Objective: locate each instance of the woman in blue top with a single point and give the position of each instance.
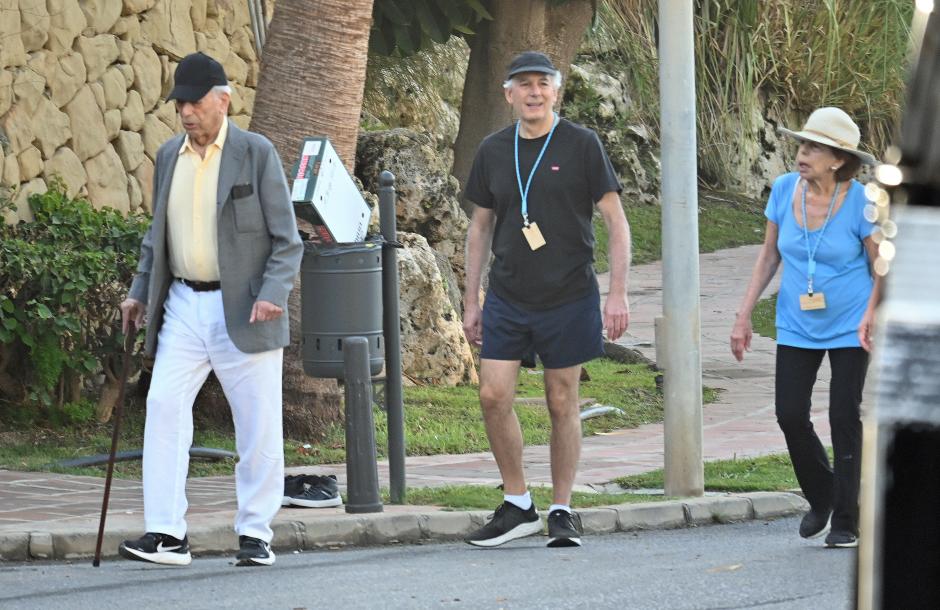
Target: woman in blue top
(828, 293)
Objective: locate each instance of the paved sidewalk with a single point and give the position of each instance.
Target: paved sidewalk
(48, 515)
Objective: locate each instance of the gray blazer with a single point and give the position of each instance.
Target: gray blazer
(259, 246)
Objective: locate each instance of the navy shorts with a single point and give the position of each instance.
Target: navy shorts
(563, 336)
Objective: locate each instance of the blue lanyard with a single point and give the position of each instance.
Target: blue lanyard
(525, 192)
(811, 253)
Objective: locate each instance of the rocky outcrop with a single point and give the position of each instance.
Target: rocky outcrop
(427, 202)
(633, 152)
(434, 349)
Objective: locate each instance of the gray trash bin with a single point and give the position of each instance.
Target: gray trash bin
(341, 296)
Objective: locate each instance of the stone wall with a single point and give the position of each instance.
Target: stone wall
(82, 85)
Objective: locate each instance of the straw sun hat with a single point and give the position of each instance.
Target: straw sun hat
(832, 127)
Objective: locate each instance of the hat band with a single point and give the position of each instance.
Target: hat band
(841, 143)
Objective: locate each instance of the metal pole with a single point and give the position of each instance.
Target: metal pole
(390, 322)
(684, 474)
(362, 474)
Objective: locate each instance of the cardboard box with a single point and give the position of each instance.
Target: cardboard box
(325, 194)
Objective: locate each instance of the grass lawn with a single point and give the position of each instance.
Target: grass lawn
(768, 473)
(724, 221)
(437, 420)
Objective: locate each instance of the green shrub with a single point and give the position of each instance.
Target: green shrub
(62, 277)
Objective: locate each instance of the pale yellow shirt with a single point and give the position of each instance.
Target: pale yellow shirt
(191, 211)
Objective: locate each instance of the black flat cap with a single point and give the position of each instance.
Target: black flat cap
(530, 61)
(195, 75)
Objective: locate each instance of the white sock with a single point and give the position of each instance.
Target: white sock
(524, 501)
(563, 507)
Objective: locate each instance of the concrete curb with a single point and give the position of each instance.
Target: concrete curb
(332, 531)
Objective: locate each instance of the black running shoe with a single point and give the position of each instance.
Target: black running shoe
(322, 492)
(841, 540)
(507, 523)
(157, 548)
(815, 523)
(253, 552)
(293, 485)
(564, 528)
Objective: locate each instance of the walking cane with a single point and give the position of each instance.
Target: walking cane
(129, 339)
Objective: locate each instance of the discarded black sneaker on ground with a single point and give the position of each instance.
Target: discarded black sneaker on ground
(320, 492)
(508, 522)
(815, 523)
(157, 548)
(564, 528)
(253, 552)
(841, 540)
(293, 485)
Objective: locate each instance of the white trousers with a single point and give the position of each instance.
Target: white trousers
(192, 341)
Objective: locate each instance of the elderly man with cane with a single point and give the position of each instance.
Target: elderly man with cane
(216, 267)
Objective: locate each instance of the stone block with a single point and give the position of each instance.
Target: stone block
(66, 22)
(35, 23)
(101, 14)
(650, 516)
(30, 160)
(89, 137)
(147, 74)
(769, 505)
(107, 181)
(446, 525)
(342, 530)
(51, 126)
(720, 509)
(385, 528)
(41, 545)
(68, 78)
(132, 114)
(66, 165)
(599, 520)
(14, 546)
(98, 52)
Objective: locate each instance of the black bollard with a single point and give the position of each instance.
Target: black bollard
(390, 299)
(362, 476)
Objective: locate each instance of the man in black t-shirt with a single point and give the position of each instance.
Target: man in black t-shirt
(535, 185)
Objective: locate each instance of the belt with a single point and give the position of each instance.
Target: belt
(201, 286)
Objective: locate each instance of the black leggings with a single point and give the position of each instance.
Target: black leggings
(825, 487)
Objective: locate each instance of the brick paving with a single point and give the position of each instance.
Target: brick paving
(741, 423)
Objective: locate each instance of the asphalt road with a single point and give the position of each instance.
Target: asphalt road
(754, 564)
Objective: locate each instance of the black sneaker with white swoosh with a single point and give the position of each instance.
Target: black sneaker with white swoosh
(159, 548)
(253, 552)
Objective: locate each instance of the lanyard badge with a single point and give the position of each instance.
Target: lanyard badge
(814, 300)
(530, 230)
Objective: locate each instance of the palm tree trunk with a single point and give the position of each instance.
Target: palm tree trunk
(517, 25)
(311, 83)
(312, 75)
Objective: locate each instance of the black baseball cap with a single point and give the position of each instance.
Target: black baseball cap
(195, 75)
(531, 61)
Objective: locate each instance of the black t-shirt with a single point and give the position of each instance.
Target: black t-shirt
(572, 176)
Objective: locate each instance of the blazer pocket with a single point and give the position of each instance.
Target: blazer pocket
(248, 215)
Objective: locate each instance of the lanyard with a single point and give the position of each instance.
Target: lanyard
(811, 253)
(525, 192)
